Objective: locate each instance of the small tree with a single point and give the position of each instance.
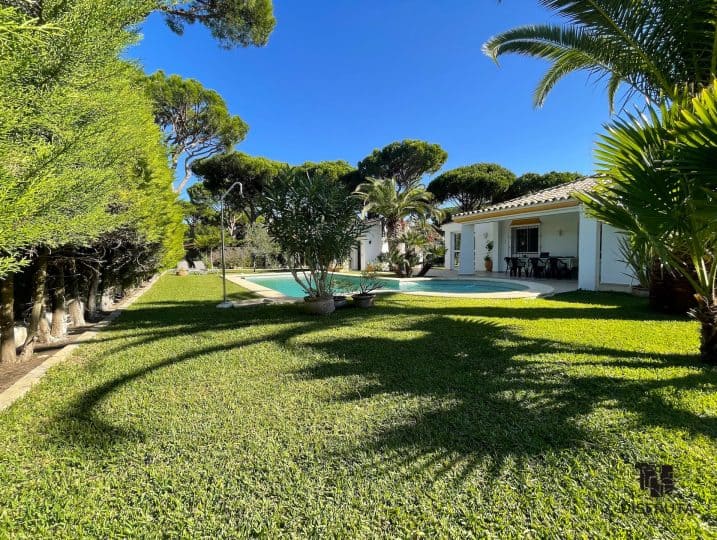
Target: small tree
(260, 243)
(315, 221)
(382, 197)
(660, 186)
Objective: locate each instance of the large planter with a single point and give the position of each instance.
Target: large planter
(340, 301)
(364, 300)
(672, 295)
(488, 265)
(319, 306)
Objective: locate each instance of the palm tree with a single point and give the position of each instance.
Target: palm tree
(383, 198)
(657, 47)
(662, 189)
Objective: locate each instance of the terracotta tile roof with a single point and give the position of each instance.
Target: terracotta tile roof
(563, 192)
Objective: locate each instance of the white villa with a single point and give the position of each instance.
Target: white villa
(370, 246)
(547, 223)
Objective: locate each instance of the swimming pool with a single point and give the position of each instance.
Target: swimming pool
(347, 284)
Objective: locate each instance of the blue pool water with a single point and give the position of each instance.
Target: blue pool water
(286, 285)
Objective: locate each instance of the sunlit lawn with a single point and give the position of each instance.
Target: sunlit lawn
(430, 416)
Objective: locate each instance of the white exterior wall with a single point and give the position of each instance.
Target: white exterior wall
(371, 245)
(504, 245)
(566, 233)
(467, 249)
(589, 253)
(484, 233)
(613, 271)
(559, 234)
(448, 230)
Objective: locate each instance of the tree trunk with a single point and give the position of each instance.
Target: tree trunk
(706, 314)
(93, 288)
(58, 304)
(7, 320)
(425, 267)
(74, 306)
(38, 306)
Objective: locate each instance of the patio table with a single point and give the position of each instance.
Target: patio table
(570, 262)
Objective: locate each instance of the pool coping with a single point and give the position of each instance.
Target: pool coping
(534, 290)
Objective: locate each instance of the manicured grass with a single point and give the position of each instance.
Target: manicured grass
(423, 416)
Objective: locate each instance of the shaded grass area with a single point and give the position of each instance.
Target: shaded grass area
(432, 416)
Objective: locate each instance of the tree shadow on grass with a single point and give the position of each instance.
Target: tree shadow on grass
(487, 392)
(572, 305)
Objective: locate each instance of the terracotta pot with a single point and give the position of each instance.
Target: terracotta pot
(364, 300)
(319, 306)
(488, 265)
(182, 272)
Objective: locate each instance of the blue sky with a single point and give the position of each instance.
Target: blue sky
(342, 77)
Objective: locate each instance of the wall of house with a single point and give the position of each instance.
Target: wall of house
(613, 270)
(448, 229)
(484, 233)
(567, 234)
(372, 244)
(559, 235)
(503, 245)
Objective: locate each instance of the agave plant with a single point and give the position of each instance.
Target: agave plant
(660, 186)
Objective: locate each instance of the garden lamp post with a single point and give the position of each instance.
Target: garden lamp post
(225, 303)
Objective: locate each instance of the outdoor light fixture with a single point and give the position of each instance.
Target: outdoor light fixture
(225, 303)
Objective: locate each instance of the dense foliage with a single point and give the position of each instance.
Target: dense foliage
(406, 162)
(85, 183)
(231, 22)
(196, 121)
(219, 172)
(315, 221)
(655, 47)
(662, 189)
(472, 186)
(532, 182)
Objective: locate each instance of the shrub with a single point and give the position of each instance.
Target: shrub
(315, 221)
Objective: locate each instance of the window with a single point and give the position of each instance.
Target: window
(456, 249)
(526, 240)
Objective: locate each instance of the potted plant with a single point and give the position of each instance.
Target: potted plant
(315, 221)
(488, 260)
(182, 268)
(342, 287)
(364, 298)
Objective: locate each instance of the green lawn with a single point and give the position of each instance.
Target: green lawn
(423, 416)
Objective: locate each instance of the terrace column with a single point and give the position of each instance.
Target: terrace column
(588, 252)
(468, 250)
